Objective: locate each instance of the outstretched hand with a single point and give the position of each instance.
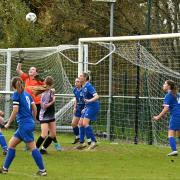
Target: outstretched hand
(6, 125)
(156, 118)
(21, 56)
(3, 125)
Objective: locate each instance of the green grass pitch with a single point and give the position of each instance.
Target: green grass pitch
(107, 161)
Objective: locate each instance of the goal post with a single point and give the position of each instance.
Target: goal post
(128, 38)
(140, 65)
(60, 62)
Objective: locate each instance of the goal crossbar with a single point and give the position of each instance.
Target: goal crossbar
(132, 38)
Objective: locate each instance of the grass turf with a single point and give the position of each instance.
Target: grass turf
(107, 161)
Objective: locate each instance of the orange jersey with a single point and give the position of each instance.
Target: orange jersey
(28, 81)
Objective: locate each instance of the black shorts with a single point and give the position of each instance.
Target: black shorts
(38, 106)
(46, 121)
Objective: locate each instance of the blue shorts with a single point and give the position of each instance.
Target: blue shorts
(90, 113)
(78, 112)
(174, 123)
(25, 133)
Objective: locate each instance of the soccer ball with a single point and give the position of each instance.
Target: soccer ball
(31, 17)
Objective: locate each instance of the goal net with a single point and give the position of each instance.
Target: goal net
(128, 73)
(59, 62)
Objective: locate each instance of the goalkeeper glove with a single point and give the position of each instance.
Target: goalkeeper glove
(21, 56)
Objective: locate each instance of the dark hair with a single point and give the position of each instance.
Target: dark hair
(49, 80)
(38, 78)
(172, 86)
(17, 84)
(86, 75)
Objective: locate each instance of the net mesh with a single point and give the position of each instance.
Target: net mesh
(139, 69)
(59, 62)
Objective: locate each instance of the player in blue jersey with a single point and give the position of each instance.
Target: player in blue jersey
(171, 104)
(2, 138)
(78, 107)
(90, 111)
(24, 110)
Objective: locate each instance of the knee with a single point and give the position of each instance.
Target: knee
(80, 123)
(44, 136)
(85, 123)
(72, 124)
(171, 133)
(11, 146)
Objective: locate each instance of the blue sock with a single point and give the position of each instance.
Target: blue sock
(76, 131)
(3, 141)
(172, 143)
(89, 133)
(38, 158)
(82, 134)
(9, 158)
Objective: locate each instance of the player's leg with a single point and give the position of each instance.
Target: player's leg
(38, 107)
(44, 134)
(174, 125)
(37, 158)
(89, 133)
(81, 135)
(90, 115)
(28, 137)
(52, 127)
(172, 142)
(75, 127)
(52, 137)
(14, 141)
(3, 143)
(178, 135)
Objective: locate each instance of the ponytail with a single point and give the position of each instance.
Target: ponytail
(49, 81)
(86, 75)
(39, 89)
(173, 87)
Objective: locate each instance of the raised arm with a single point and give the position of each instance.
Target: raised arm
(21, 59)
(18, 69)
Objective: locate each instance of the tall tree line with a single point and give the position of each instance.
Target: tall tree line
(64, 21)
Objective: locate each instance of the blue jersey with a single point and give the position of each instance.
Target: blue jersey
(88, 92)
(79, 97)
(24, 101)
(173, 103)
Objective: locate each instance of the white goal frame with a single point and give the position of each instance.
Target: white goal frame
(83, 41)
